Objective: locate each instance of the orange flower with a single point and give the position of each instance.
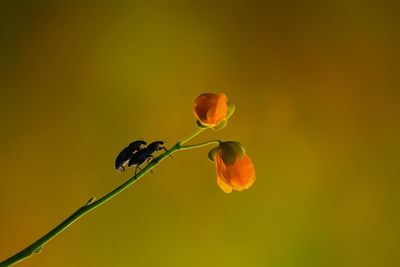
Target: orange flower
(211, 109)
(234, 168)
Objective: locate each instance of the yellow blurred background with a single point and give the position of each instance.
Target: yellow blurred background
(316, 91)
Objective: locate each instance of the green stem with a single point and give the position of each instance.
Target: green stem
(36, 246)
(200, 144)
(190, 136)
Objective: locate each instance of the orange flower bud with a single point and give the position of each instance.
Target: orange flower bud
(211, 109)
(234, 168)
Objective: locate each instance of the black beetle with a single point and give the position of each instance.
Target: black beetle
(145, 154)
(126, 154)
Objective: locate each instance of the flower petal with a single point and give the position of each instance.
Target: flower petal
(240, 175)
(217, 113)
(211, 109)
(224, 186)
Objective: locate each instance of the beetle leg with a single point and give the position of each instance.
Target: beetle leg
(166, 150)
(137, 167)
(155, 160)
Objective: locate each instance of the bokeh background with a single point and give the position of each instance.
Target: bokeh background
(317, 94)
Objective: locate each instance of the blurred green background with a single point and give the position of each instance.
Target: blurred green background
(317, 94)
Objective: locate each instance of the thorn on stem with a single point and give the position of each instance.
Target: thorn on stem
(38, 250)
(90, 201)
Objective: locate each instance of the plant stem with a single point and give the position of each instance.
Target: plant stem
(91, 204)
(190, 136)
(200, 144)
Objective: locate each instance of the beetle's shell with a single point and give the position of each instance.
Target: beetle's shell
(138, 158)
(122, 158)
